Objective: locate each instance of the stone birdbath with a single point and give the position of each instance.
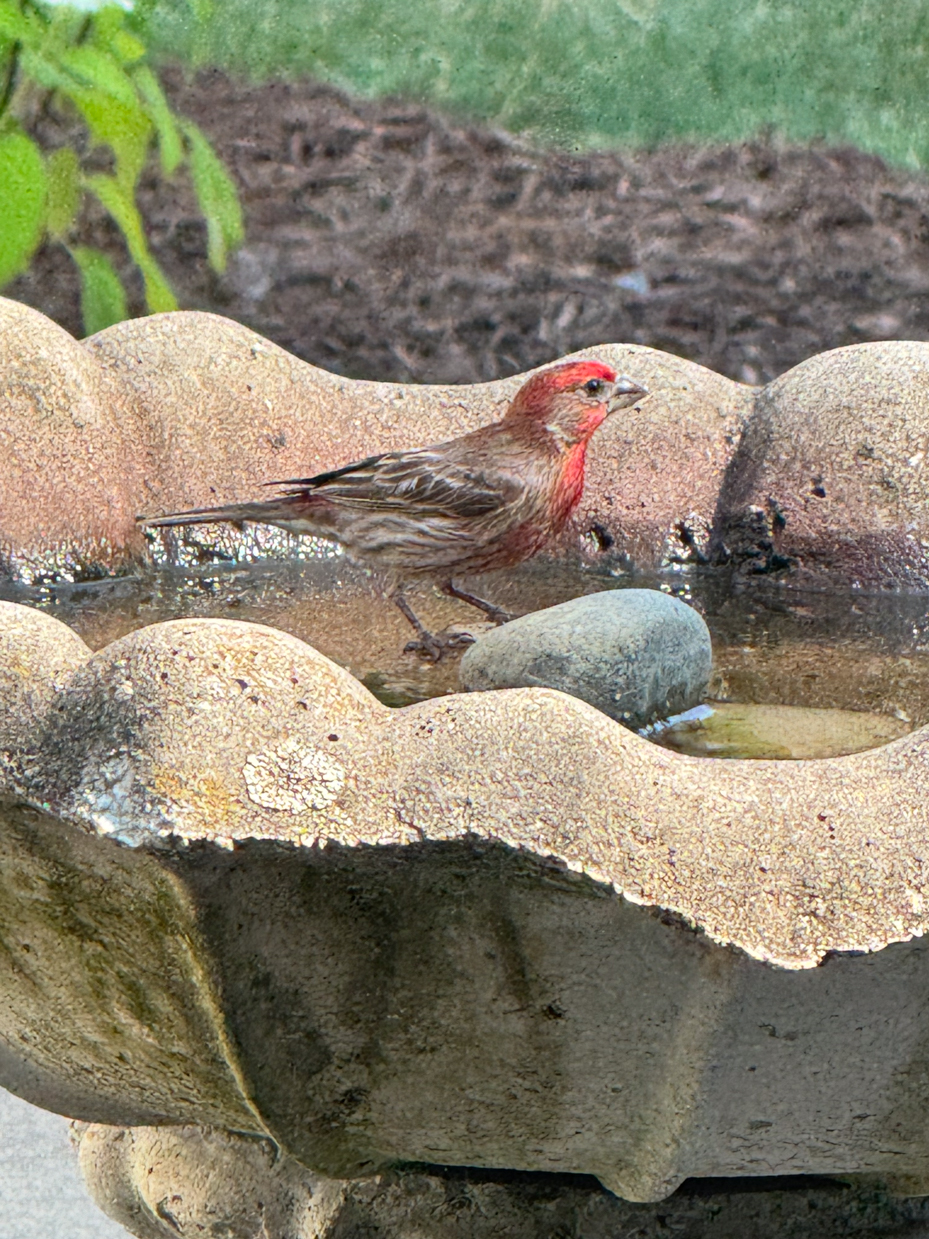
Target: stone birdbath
(272, 939)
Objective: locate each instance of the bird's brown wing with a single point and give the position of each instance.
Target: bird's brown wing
(439, 492)
(426, 484)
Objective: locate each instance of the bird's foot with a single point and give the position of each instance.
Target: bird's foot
(433, 646)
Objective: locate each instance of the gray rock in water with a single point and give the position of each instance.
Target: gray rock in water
(635, 654)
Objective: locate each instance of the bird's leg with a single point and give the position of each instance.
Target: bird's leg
(429, 644)
(497, 614)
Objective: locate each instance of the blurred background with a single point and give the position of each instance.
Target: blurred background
(458, 190)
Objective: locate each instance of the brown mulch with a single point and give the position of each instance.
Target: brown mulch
(384, 241)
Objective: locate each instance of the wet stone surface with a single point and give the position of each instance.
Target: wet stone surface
(635, 654)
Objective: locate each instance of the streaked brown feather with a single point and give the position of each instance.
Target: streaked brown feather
(489, 499)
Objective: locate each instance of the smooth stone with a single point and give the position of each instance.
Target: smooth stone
(730, 729)
(635, 654)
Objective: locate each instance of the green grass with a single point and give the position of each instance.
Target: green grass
(595, 72)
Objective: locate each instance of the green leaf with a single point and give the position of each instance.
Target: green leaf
(202, 9)
(23, 186)
(64, 191)
(127, 47)
(44, 72)
(14, 24)
(94, 67)
(217, 196)
(110, 33)
(121, 206)
(65, 25)
(108, 20)
(140, 14)
(103, 299)
(169, 139)
(126, 129)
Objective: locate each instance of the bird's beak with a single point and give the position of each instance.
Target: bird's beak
(625, 393)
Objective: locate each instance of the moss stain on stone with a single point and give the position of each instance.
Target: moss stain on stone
(117, 978)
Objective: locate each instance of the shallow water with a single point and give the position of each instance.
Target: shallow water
(733, 729)
(773, 646)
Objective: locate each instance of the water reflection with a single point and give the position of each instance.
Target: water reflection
(772, 646)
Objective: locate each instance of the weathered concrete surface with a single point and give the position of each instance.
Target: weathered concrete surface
(166, 1182)
(189, 409)
(462, 1003)
(73, 454)
(831, 475)
(426, 979)
(634, 654)
(162, 1182)
(38, 654)
(107, 1006)
(787, 860)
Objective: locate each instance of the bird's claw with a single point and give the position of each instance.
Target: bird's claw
(434, 647)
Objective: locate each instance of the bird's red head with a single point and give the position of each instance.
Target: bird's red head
(572, 399)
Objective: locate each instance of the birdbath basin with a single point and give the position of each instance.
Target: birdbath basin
(499, 930)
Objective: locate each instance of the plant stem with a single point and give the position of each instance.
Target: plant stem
(9, 84)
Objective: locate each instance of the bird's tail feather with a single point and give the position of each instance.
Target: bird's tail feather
(269, 513)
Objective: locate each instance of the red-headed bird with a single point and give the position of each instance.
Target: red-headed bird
(489, 499)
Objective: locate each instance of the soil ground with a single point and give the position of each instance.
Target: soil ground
(384, 241)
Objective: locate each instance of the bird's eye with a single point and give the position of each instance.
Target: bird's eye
(593, 387)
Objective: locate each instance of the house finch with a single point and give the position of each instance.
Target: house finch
(489, 499)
